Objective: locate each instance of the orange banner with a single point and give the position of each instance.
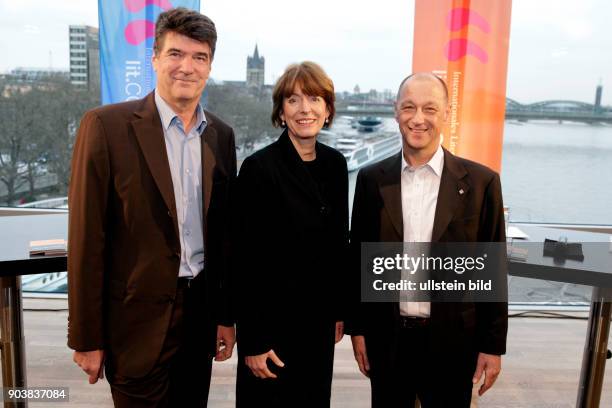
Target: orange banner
(465, 42)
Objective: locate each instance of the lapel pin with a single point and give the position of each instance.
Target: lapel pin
(461, 191)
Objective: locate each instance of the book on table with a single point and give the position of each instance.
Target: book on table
(48, 247)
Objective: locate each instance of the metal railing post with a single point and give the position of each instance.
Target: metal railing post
(11, 336)
(595, 349)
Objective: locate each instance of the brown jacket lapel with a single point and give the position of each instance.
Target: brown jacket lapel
(150, 136)
(453, 190)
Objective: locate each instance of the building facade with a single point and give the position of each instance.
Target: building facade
(84, 56)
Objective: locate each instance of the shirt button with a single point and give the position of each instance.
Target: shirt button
(188, 171)
(187, 232)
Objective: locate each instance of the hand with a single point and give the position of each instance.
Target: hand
(339, 331)
(92, 362)
(259, 364)
(226, 338)
(359, 350)
(490, 364)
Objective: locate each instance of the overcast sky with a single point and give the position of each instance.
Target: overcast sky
(559, 49)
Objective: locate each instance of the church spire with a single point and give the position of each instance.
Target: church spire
(256, 66)
(256, 53)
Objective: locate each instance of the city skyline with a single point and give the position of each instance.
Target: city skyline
(549, 44)
(375, 95)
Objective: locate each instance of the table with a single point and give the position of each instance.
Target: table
(16, 232)
(595, 271)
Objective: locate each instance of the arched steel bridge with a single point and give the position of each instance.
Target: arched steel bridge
(561, 110)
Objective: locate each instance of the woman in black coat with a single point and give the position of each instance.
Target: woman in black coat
(293, 235)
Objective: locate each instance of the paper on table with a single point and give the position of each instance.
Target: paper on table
(49, 247)
(514, 232)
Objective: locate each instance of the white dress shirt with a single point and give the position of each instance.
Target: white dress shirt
(419, 186)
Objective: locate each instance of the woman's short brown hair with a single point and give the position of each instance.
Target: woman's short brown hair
(313, 81)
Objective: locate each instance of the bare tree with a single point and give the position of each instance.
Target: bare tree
(67, 106)
(13, 141)
(39, 125)
(247, 112)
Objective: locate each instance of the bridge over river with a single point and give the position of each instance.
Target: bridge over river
(561, 110)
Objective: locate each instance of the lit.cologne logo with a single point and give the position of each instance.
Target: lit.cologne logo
(458, 48)
(138, 31)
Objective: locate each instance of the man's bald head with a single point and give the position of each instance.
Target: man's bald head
(423, 76)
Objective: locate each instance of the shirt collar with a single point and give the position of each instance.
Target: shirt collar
(168, 116)
(436, 163)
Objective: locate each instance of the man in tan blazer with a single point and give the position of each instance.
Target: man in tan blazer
(149, 229)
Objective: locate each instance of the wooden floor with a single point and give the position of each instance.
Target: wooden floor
(541, 369)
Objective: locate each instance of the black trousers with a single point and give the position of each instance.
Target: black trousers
(403, 370)
(307, 349)
(180, 377)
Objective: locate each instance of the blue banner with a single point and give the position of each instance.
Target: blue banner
(127, 31)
